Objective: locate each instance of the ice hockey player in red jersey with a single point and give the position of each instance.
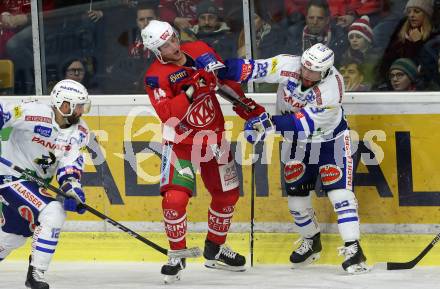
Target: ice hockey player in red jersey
(181, 85)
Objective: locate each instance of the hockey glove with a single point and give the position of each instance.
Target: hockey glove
(73, 189)
(256, 129)
(208, 62)
(199, 85)
(255, 109)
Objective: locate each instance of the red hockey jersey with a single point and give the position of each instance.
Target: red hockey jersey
(185, 122)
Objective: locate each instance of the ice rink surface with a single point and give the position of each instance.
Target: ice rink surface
(71, 275)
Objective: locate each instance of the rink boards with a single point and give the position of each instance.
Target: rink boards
(396, 183)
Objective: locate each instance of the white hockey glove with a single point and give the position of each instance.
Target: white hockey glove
(72, 188)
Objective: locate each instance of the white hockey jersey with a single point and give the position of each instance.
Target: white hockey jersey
(318, 108)
(37, 143)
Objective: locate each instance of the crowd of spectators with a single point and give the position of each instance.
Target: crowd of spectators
(380, 45)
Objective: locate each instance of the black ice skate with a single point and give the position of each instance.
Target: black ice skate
(308, 252)
(35, 278)
(171, 270)
(222, 257)
(354, 258)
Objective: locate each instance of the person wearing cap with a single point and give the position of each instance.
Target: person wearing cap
(413, 32)
(403, 75)
(361, 49)
(212, 30)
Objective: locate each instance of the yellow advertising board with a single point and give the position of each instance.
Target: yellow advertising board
(396, 181)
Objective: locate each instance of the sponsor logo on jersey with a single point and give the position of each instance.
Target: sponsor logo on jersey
(317, 92)
(202, 113)
(50, 145)
(18, 112)
(246, 70)
(291, 86)
(330, 174)
(43, 131)
(27, 214)
(178, 76)
(38, 118)
(170, 214)
(287, 73)
(28, 195)
(152, 81)
(45, 192)
(293, 171)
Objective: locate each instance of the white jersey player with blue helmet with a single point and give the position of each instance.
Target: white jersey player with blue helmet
(310, 95)
(48, 141)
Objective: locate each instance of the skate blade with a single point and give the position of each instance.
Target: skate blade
(194, 252)
(313, 258)
(170, 279)
(358, 269)
(214, 264)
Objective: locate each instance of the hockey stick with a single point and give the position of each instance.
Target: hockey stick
(224, 93)
(185, 253)
(412, 263)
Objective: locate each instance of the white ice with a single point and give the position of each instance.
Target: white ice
(94, 275)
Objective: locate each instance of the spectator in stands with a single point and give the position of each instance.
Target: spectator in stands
(16, 41)
(212, 30)
(410, 36)
(361, 38)
(354, 79)
(182, 14)
(127, 62)
(318, 29)
(270, 39)
(403, 75)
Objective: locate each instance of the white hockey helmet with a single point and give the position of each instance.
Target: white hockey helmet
(156, 34)
(318, 58)
(70, 91)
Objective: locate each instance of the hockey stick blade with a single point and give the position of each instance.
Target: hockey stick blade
(412, 263)
(187, 253)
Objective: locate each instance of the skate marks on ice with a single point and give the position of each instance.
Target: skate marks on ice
(74, 275)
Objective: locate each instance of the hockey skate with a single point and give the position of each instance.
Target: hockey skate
(35, 278)
(308, 252)
(222, 257)
(172, 270)
(354, 258)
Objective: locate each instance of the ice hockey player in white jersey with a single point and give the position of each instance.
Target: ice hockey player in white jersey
(46, 140)
(310, 97)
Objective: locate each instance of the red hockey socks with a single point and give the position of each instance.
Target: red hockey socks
(174, 216)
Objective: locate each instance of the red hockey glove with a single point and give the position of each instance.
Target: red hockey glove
(198, 85)
(256, 109)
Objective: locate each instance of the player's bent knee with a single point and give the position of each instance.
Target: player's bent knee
(53, 215)
(175, 198)
(229, 198)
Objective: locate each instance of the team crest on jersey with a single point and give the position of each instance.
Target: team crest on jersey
(202, 114)
(27, 214)
(178, 76)
(293, 171)
(330, 174)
